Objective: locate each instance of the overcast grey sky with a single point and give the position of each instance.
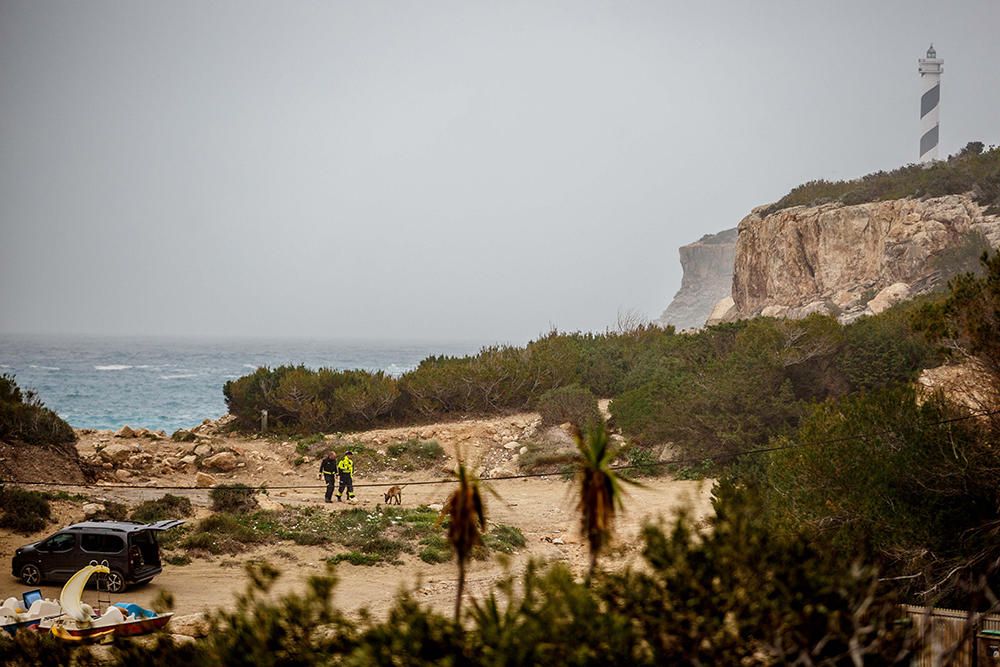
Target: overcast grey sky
(433, 170)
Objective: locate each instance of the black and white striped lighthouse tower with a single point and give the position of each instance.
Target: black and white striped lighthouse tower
(930, 69)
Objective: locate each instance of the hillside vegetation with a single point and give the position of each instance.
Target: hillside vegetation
(24, 417)
(974, 170)
(719, 391)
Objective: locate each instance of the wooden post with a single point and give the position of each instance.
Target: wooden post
(263, 421)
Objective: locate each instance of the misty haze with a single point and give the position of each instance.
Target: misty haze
(376, 312)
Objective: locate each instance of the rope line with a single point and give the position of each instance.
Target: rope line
(502, 478)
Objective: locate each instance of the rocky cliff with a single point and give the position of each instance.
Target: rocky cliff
(708, 277)
(851, 260)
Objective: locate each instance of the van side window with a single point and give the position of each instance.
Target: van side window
(60, 543)
(101, 543)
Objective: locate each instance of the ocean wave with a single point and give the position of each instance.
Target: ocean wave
(395, 370)
(253, 366)
(44, 368)
(113, 367)
(178, 376)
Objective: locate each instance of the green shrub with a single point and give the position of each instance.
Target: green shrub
(24, 417)
(967, 171)
(355, 558)
(179, 560)
(183, 435)
(919, 489)
(167, 507)
(435, 549)
(642, 461)
(230, 533)
(574, 404)
(233, 498)
(23, 511)
(112, 511)
(503, 538)
(414, 454)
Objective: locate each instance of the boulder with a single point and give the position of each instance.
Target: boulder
(123, 475)
(117, 452)
(204, 480)
(265, 503)
(190, 625)
(820, 307)
(189, 460)
(91, 509)
(223, 462)
(722, 311)
(888, 297)
(125, 432)
(512, 445)
(204, 449)
(774, 311)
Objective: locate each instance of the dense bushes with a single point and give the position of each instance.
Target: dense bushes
(574, 404)
(233, 498)
(23, 511)
(972, 170)
(718, 391)
(24, 417)
(732, 387)
(167, 507)
(497, 379)
(910, 476)
(919, 488)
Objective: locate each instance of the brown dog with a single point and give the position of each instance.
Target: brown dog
(394, 493)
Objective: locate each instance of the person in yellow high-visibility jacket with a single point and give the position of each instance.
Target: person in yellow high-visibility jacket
(345, 468)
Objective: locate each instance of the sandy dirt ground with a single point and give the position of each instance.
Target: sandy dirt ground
(543, 508)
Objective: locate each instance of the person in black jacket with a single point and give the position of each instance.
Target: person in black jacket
(328, 471)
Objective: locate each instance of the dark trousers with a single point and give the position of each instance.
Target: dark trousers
(331, 481)
(346, 482)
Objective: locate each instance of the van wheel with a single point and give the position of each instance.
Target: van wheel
(31, 575)
(116, 581)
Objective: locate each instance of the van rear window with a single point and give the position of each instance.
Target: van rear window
(101, 544)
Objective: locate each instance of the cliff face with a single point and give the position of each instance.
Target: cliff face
(708, 277)
(850, 260)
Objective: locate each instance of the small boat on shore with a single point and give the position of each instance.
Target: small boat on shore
(27, 613)
(79, 623)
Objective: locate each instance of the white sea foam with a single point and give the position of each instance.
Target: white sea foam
(44, 368)
(395, 370)
(253, 366)
(113, 367)
(178, 376)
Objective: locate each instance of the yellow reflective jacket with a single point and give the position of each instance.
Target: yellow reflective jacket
(346, 465)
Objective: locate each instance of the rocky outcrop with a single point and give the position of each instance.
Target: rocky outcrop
(708, 277)
(849, 260)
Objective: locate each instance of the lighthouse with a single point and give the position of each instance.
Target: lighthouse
(930, 69)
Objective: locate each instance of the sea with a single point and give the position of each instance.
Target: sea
(164, 383)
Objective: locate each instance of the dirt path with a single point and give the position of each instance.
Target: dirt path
(541, 507)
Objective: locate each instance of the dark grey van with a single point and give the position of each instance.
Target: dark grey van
(130, 550)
